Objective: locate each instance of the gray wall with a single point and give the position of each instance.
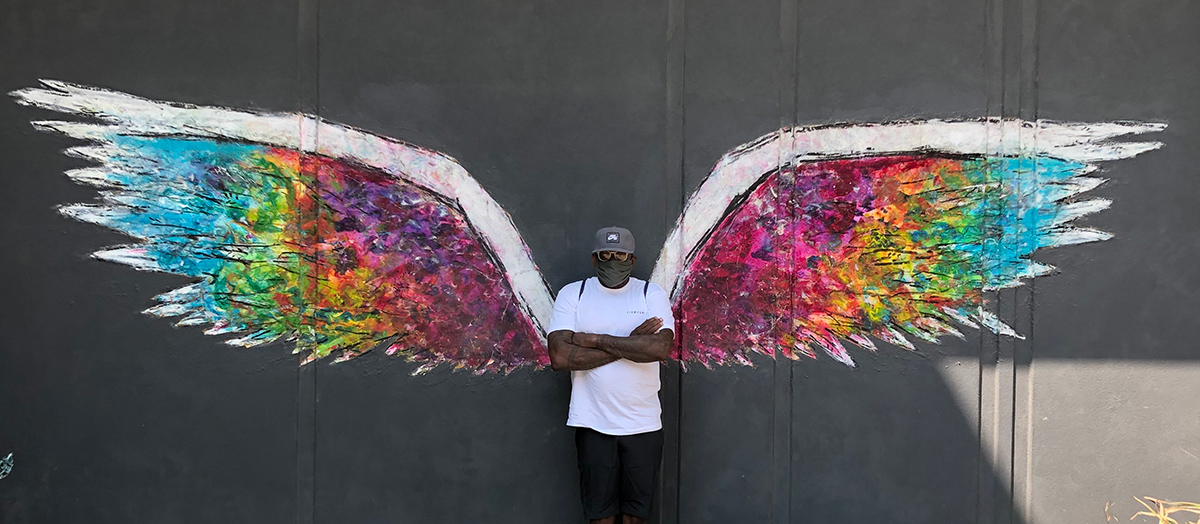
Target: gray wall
(574, 115)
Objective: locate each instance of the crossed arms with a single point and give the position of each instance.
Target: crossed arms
(571, 351)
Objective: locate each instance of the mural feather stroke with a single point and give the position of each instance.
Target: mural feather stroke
(342, 241)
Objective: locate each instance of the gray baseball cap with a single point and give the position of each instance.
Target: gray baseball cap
(613, 238)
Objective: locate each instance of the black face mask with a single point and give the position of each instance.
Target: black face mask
(614, 273)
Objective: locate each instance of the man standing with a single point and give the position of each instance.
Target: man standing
(610, 331)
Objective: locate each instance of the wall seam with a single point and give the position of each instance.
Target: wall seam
(782, 376)
(1022, 445)
(675, 149)
(993, 65)
(308, 80)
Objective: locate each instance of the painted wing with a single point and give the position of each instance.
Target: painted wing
(302, 230)
(810, 237)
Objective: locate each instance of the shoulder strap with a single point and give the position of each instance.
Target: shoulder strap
(645, 299)
(645, 288)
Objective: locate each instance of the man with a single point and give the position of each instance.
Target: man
(611, 331)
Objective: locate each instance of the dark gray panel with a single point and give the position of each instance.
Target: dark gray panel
(887, 441)
(870, 61)
(1103, 422)
(1131, 296)
(114, 416)
(558, 110)
(731, 93)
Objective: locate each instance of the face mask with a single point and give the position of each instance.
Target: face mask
(613, 273)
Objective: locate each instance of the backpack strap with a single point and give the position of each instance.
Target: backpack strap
(581, 286)
(645, 300)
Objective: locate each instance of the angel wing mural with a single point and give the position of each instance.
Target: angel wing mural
(340, 241)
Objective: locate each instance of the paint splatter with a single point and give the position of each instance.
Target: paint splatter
(6, 465)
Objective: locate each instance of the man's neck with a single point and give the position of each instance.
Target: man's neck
(618, 286)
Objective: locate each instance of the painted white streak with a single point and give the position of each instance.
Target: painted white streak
(1069, 212)
(832, 347)
(891, 334)
(92, 214)
(1037, 269)
(257, 338)
(992, 322)
(927, 337)
(98, 154)
(862, 341)
(186, 293)
(93, 176)
(194, 319)
(959, 317)
(78, 130)
(947, 329)
(1101, 152)
(1071, 236)
(436, 172)
(168, 310)
(134, 256)
(222, 328)
(938, 327)
(1032, 269)
(1012, 137)
(738, 171)
(1072, 187)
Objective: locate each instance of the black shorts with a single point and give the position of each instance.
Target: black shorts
(617, 473)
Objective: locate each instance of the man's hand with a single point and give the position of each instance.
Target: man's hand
(592, 340)
(649, 327)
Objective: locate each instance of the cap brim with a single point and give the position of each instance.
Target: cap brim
(617, 249)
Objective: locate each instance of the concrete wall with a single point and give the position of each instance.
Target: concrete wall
(574, 115)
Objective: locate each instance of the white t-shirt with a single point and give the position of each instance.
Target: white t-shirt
(621, 397)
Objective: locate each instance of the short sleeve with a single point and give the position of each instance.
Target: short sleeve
(659, 305)
(564, 308)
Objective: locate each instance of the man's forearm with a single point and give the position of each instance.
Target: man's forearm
(579, 358)
(566, 356)
(638, 348)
